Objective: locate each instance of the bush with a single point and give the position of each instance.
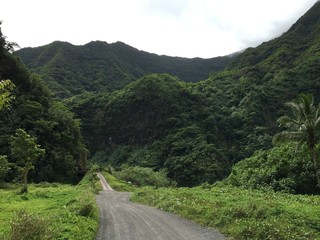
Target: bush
(26, 226)
(280, 168)
(87, 209)
(141, 176)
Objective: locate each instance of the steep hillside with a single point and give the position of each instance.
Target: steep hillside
(249, 95)
(50, 122)
(198, 130)
(99, 66)
(195, 131)
(156, 121)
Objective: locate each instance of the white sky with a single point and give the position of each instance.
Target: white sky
(186, 28)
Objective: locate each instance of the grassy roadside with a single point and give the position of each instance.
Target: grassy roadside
(66, 211)
(239, 213)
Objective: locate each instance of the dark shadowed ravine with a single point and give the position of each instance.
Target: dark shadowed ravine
(121, 219)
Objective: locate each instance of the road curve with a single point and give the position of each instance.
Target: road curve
(105, 185)
(121, 219)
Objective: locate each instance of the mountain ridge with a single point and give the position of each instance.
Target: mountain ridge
(67, 68)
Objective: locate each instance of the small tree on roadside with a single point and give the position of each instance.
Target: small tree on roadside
(302, 127)
(25, 151)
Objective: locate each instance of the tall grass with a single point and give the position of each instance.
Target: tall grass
(60, 211)
(26, 226)
(239, 213)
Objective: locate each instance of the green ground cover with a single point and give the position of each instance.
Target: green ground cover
(65, 211)
(239, 213)
(117, 184)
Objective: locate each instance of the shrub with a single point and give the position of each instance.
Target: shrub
(280, 168)
(83, 205)
(26, 226)
(87, 209)
(141, 176)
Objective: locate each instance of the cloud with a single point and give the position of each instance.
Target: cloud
(166, 7)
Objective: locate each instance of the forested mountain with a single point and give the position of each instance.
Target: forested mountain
(157, 121)
(220, 121)
(50, 123)
(196, 131)
(249, 95)
(99, 66)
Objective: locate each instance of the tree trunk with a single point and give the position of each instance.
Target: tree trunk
(315, 165)
(25, 183)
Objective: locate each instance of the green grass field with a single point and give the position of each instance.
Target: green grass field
(239, 213)
(69, 212)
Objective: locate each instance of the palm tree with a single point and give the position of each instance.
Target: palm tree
(302, 127)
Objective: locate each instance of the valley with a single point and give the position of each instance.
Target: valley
(230, 142)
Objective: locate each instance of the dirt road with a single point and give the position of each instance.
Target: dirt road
(121, 220)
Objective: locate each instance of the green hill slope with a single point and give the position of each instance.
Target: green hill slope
(249, 95)
(99, 66)
(198, 130)
(54, 126)
(157, 121)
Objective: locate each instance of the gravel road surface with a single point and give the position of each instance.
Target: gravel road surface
(121, 219)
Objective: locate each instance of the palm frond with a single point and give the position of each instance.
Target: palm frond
(286, 121)
(299, 144)
(288, 136)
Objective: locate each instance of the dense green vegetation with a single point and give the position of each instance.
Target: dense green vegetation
(139, 176)
(195, 131)
(50, 122)
(303, 127)
(50, 211)
(25, 151)
(281, 168)
(249, 95)
(240, 213)
(158, 122)
(6, 87)
(99, 66)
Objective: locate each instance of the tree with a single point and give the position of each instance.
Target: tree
(4, 167)
(4, 44)
(302, 127)
(5, 97)
(6, 87)
(25, 151)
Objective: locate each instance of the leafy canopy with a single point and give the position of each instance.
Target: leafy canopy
(25, 151)
(6, 86)
(303, 127)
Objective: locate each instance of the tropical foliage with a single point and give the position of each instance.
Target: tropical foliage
(25, 152)
(303, 127)
(102, 67)
(157, 121)
(195, 131)
(32, 109)
(281, 168)
(6, 87)
(240, 213)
